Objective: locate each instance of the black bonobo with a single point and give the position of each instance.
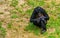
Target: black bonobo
(39, 18)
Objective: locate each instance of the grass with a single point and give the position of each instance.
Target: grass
(32, 28)
(52, 9)
(14, 3)
(14, 16)
(53, 3)
(0, 24)
(35, 3)
(1, 13)
(9, 25)
(2, 31)
(28, 12)
(13, 11)
(51, 36)
(53, 23)
(31, 2)
(18, 9)
(1, 2)
(41, 3)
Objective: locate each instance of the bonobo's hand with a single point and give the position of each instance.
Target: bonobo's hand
(42, 18)
(38, 19)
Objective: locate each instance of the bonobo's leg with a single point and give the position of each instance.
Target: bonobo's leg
(43, 27)
(35, 23)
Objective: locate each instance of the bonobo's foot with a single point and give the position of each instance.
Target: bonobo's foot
(43, 31)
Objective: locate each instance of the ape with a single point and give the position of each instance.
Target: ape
(39, 18)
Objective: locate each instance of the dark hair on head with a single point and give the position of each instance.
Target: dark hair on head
(38, 8)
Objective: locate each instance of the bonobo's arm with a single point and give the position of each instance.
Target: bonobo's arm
(33, 16)
(44, 13)
(46, 16)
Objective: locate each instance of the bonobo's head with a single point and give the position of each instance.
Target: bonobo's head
(38, 11)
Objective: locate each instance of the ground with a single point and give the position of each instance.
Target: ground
(15, 16)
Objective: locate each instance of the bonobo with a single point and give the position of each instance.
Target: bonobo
(39, 18)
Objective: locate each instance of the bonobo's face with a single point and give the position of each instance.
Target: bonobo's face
(39, 14)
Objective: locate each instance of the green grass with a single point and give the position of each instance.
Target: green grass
(52, 9)
(14, 3)
(35, 3)
(1, 2)
(13, 11)
(18, 9)
(53, 23)
(1, 13)
(0, 24)
(9, 25)
(53, 3)
(31, 2)
(51, 36)
(2, 32)
(14, 16)
(32, 28)
(58, 15)
(41, 3)
(29, 12)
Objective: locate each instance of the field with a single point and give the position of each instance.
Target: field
(15, 16)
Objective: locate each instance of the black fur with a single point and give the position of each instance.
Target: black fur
(41, 21)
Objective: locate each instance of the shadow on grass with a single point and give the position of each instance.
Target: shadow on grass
(34, 29)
